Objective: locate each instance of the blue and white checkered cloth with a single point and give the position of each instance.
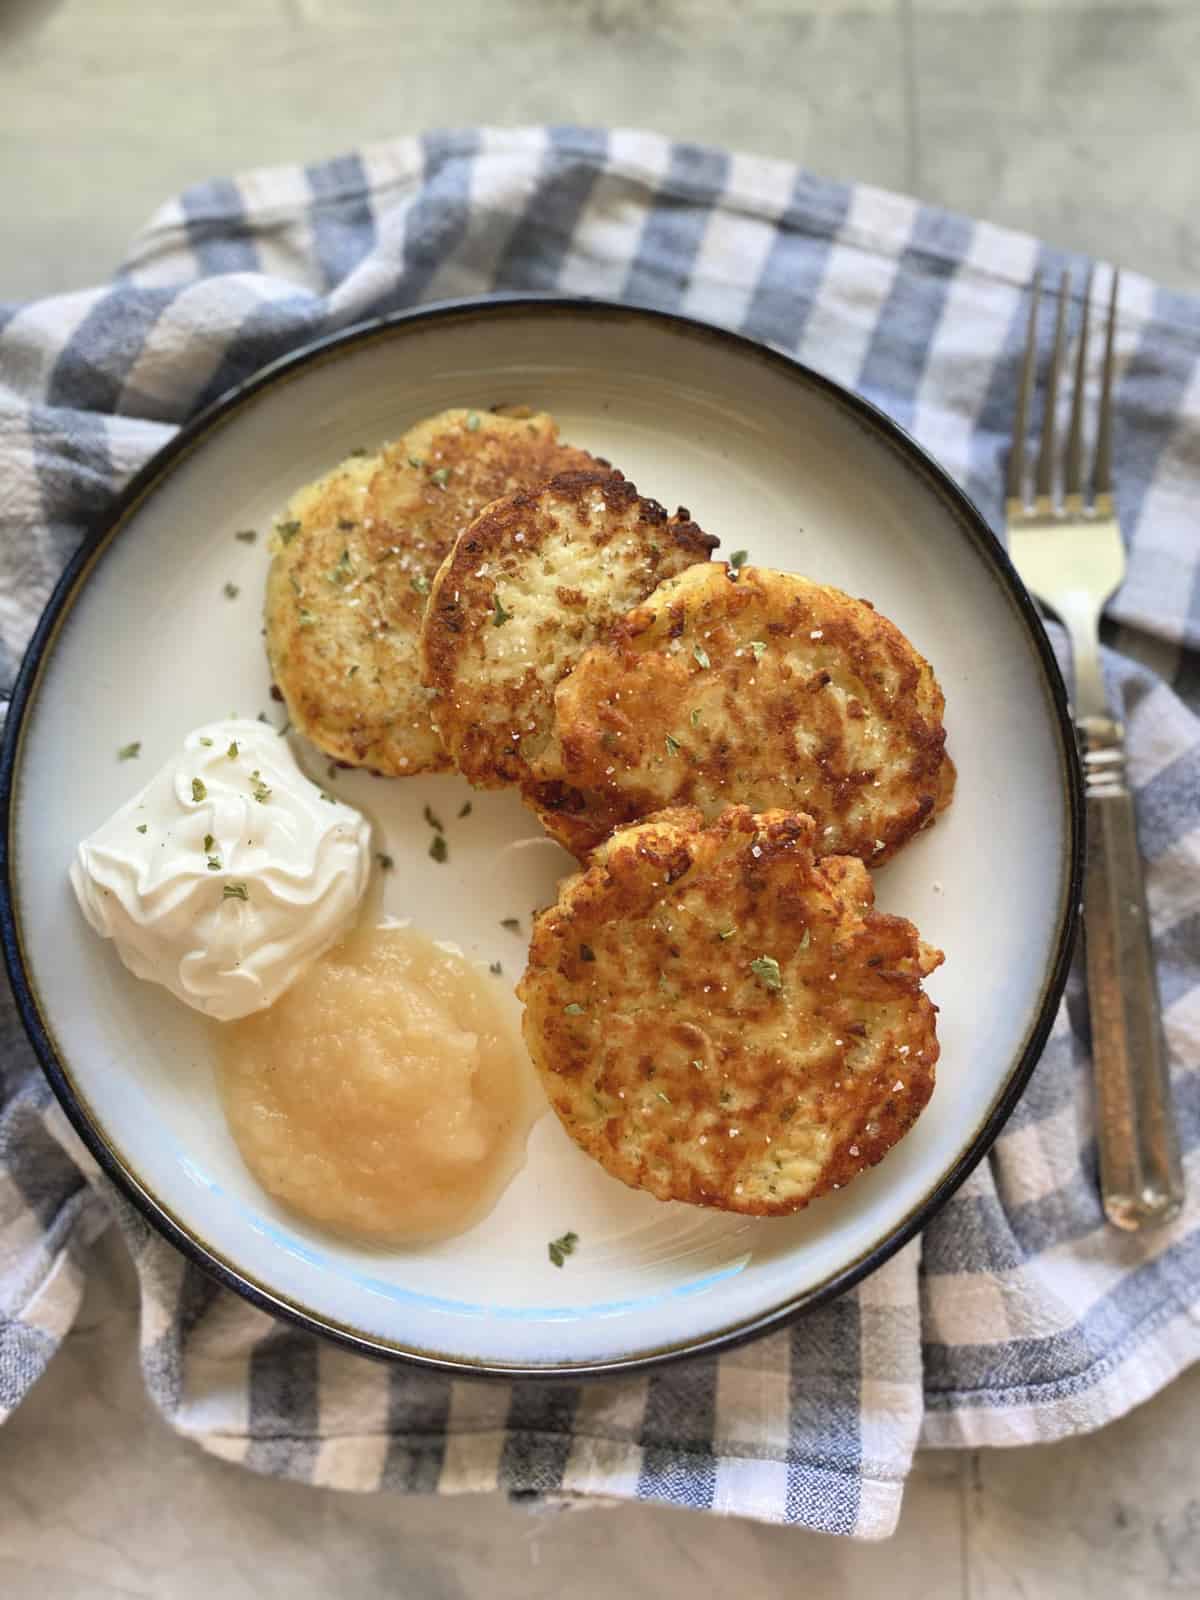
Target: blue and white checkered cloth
(1018, 1316)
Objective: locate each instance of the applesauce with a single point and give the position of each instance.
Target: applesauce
(384, 1095)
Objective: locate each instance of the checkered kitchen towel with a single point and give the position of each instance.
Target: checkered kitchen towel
(1019, 1316)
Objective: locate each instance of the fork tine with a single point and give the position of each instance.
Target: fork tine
(1103, 474)
(1016, 456)
(1044, 484)
(1073, 471)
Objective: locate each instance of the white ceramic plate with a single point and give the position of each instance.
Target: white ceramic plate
(139, 643)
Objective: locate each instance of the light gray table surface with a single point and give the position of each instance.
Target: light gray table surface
(1072, 119)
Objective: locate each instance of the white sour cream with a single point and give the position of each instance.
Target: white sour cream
(228, 874)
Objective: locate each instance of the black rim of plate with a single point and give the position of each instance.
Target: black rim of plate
(974, 527)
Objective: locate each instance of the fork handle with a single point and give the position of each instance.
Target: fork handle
(1141, 1176)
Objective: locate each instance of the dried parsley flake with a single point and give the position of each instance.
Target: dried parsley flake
(766, 970)
(560, 1249)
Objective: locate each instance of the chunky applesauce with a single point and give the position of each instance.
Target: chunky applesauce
(384, 1095)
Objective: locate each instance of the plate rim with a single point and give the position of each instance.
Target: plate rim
(191, 435)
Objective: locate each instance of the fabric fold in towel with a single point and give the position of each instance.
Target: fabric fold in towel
(1018, 1316)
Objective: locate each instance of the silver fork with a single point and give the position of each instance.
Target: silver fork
(1069, 553)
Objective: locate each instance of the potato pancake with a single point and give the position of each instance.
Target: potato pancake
(760, 688)
(536, 579)
(720, 1016)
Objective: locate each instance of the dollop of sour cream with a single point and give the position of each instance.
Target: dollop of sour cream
(228, 874)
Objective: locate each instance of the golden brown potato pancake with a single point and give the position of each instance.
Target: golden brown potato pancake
(719, 1016)
(535, 579)
(760, 688)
